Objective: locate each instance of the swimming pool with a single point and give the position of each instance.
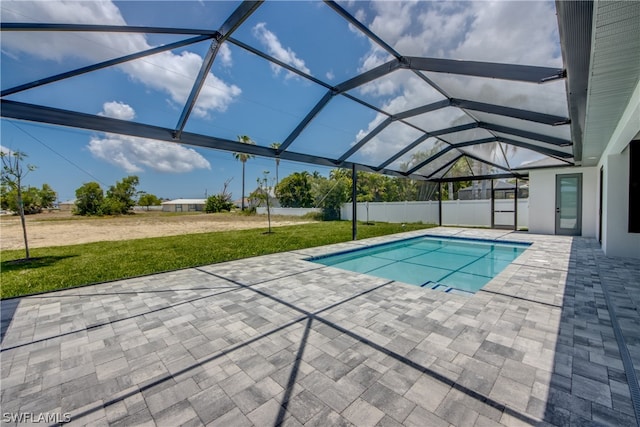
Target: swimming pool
(449, 264)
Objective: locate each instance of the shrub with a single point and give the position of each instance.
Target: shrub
(218, 203)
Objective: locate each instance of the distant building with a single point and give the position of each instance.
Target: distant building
(184, 205)
(67, 205)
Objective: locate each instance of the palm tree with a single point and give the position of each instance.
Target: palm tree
(243, 157)
(275, 146)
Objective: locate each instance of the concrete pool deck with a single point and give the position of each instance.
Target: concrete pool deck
(276, 340)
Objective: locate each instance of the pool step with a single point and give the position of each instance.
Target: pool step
(444, 288)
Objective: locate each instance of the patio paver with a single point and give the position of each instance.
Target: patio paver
(278, 340)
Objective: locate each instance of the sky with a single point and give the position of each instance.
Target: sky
(246, 95)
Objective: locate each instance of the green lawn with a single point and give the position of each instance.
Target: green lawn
(68, 266)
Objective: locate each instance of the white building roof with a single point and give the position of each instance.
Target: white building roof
(185, 202)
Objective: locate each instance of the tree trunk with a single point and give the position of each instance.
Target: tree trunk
(22, 220)
(277, 164)
(450, 188)
(242, 201)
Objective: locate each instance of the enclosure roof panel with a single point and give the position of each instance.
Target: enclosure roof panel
(403, 88)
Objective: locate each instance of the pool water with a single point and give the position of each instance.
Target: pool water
(443, 263)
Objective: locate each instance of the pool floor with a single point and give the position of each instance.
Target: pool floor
(447, 264)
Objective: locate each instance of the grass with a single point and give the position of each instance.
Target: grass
(63, 267)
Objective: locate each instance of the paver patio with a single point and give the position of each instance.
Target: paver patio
(278, 340)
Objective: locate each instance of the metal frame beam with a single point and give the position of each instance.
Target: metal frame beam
(362, 28)
(523, 73)
(370, 75)
(516, 113)
(453, 129)
(525, 134)
(542, 150)
(446, 165)
(405, 150)
(105, 64)
(480, 177)
(238, 16)
(449, 148)
(486, 162)
(276, 61)
(366, 139)
(430, 159)
(87, 28)
(424, 109)
(303, 124)
(465, 104)
(54, 116)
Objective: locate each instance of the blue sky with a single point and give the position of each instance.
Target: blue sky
(244, 94)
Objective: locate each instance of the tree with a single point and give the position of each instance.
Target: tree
(295, 191)
(47, 196)
(330, 194)
(275, 146)
(147, 199)
(33, 199)
(265, 189)
(243, 157)
(13, 172)
(120, 197)
(89, 199)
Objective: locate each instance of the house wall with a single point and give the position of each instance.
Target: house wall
(542, 200)
(182, 207)
(616, 239)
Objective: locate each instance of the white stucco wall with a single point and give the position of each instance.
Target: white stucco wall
(616, 239)
(542, 200)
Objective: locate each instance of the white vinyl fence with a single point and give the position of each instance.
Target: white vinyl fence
(287, 211)
(471, 213)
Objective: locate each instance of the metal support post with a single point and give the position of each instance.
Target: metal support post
(440, 204)
(515, 208)
(354, 206)
(493, 207)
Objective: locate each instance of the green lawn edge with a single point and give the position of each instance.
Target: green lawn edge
(63, 267)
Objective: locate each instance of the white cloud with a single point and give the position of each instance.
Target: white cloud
(224, 54)
(117, 110)
(275, 49)
(135, 154)
(6, 151)
(330, 75)
(167, 72)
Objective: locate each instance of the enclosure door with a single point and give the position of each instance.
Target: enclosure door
(503, 210)
(569, 204)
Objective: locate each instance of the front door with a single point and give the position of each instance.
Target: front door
(569, 204)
